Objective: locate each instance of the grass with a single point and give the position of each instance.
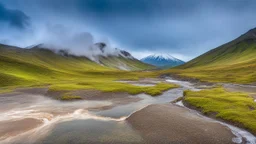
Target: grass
(30, 67)
(2, 91)
(111, 86)
(159, 88)
(70, 97)
(130, 64)
(233, 62)
(235, 107)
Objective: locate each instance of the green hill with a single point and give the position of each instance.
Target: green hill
(124, 63)
(234, 61)
(65, 73)
(38, 65)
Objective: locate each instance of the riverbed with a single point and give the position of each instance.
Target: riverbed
(35, 118)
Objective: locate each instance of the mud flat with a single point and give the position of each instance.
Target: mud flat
(167, 123)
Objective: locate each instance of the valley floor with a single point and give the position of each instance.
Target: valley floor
(110, 118)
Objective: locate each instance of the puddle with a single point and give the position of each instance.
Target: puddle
(92, 131)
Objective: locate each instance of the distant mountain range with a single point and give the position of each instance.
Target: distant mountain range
(162, 60)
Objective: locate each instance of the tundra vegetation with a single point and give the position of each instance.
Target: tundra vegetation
(42, 67)
(235, 107)
(234, 62)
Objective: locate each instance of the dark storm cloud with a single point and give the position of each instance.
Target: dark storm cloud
(14, 18)
(181, 27)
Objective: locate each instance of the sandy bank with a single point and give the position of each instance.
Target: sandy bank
(167, 123)
(250, 89)
(16, 127)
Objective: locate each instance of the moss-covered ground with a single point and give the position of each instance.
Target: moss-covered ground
(234, 62)
(42, 67)
(235, 107)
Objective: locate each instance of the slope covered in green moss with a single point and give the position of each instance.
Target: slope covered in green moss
(232, 62)
(22, 66)
(124, 63)
(43, 67)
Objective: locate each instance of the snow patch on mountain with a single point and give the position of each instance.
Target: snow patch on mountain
(162, 60)
(161, 57)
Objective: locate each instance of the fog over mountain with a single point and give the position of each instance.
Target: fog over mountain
(182, 28)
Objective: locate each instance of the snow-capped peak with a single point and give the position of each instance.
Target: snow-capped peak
(163, 56)
(162, 60)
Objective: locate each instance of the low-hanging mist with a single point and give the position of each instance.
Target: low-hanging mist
(63, 39)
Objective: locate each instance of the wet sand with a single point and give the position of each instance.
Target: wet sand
(145, 81)
(116, 97)
(27, 108)
(16, 127)
(250, 89)
(168, 123)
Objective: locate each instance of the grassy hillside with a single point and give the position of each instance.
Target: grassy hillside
(42, 67)
(231, 62)
(22, 66)
(124, 63)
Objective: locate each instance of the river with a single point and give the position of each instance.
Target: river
(33, 118)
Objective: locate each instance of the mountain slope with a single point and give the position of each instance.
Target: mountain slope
(25, 66)
(105, 56)
(234, 61)
(118, 59)
(162, 60)
(123, 63)
(64, 74)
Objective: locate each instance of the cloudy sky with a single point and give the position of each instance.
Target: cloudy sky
(182, 28)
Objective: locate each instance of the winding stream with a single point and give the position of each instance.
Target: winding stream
(29, 118)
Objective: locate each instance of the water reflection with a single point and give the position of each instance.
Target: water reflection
(92, 131)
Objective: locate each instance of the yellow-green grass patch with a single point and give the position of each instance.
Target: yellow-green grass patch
(235, 107)
(111, 86)
(70, 97)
